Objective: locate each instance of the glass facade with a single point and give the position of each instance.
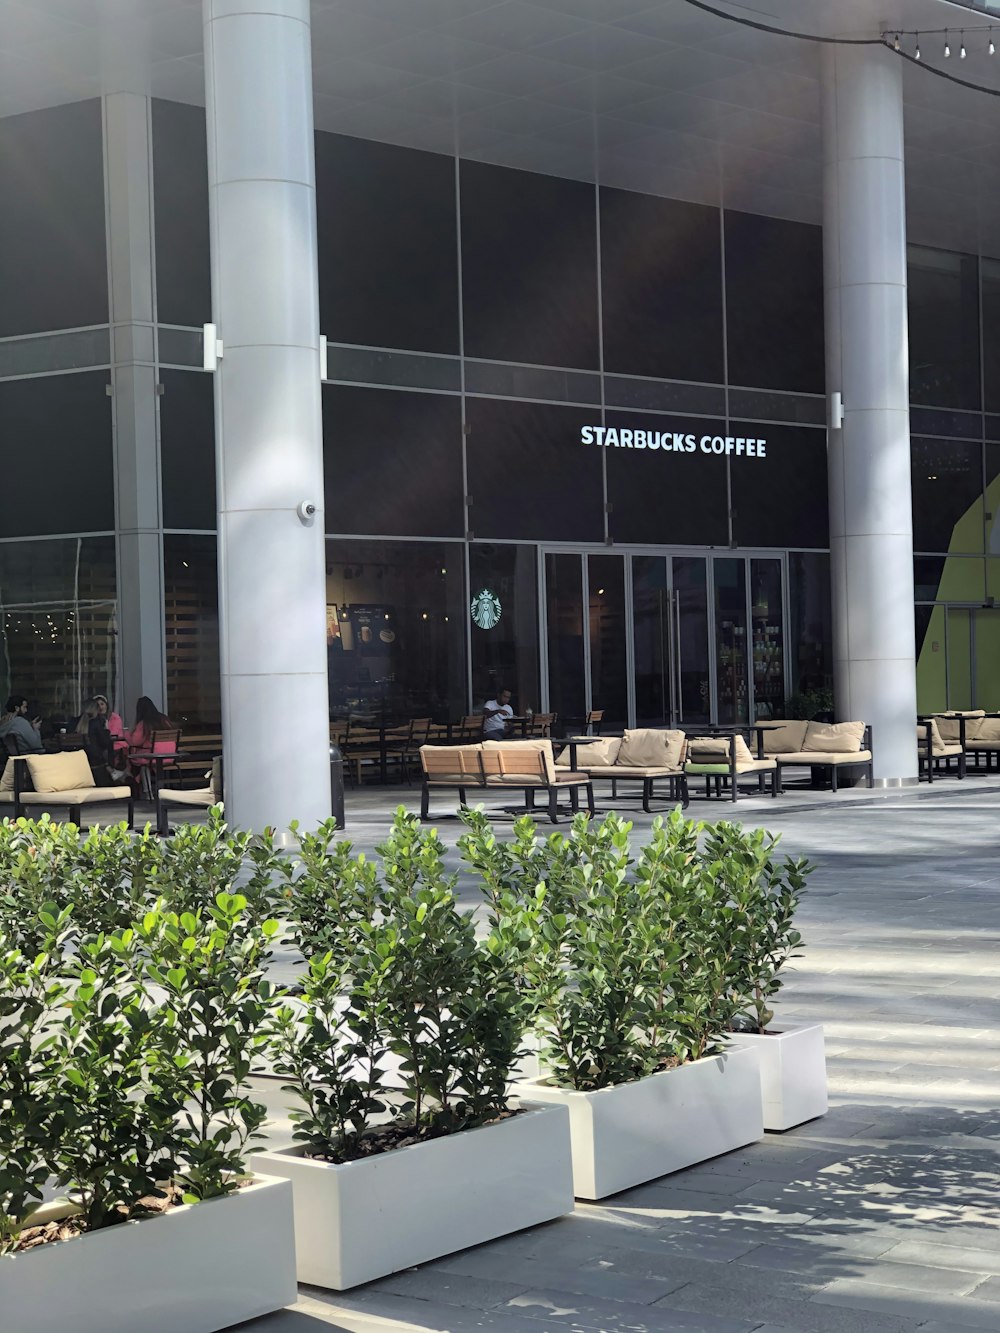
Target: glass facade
(58, 623)
(481, 319)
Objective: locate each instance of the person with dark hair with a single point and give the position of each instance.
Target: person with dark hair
(97, 743)
(497, 713)
(148, 719)
(14, 725)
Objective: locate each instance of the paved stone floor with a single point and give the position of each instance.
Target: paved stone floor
(884, 1216)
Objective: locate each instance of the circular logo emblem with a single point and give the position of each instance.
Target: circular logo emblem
(486, 609)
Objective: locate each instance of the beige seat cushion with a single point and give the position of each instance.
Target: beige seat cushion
(625, 771)
(717, 750)
(648, 747)
(541, 743)
(76, 796)
(601, 750)
(59, 772)
(784, 736)
(818, 757)
(203, 797)
(939, 746)
(833, 737)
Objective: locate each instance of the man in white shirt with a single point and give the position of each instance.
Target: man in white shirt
(497, 714)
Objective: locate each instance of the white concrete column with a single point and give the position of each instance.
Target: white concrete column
(128, 185)
(269, 447)
(871, 536)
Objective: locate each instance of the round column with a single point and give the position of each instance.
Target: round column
(269, 444)
(871, 533)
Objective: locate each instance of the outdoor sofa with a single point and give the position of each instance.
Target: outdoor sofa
(644, 754)
(724, 760)
(975, 731)
(835, 747)
(48, 781)
(528, 765)
(935, 747)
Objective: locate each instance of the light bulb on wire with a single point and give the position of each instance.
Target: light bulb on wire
(992, 48)
(916, 53)
(962, 52)
(947, 48)
(895, 45)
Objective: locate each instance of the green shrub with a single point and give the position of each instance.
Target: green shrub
(408, 979)
(765, 893)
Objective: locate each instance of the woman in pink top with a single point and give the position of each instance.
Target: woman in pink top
(148, 719)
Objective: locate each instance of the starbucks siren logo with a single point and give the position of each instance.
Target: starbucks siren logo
(486, 609)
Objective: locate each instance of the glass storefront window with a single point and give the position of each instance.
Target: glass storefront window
(191, 631)
(810, 622)
(947, 481)
(608, 664)
(396, 615)
(58, 638)
(505, 654)
(564, 618)
(731, 639)
(767, 619)
(691, 591)
(651, 611)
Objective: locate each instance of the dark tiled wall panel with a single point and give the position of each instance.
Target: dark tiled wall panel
(774, 303)
(388, 253)
(529, 267)
(58, 471)
(187, 449)
(180, 194)
(661, 285)
(53, 258)
(393, 462)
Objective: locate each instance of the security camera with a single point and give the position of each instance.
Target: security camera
(305, 510)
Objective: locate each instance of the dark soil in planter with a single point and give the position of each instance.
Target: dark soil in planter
(392, 1137)
(66, 1228)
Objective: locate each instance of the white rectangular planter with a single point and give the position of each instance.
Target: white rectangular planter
(361, 1220)
(200, 1268)
(635, 1132)
(792, 1074)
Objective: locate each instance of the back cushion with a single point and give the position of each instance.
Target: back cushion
(937, 735)
(989, 731)
(535, 743)
(834, 737)
(7, 781)
(60, 772)
(951, 729)
(785, 736)
(215, 777)
(716, 750)
(603, 750)
(646, 747)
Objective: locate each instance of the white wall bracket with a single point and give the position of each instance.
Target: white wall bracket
(211, 347)
(836, 411)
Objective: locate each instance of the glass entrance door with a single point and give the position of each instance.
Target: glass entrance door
(658, 639)
(972, 641)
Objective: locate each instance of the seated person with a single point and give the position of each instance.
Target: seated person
(14, 725)
(113, 721)
(148, 719)
(497, 714)
(97, 742)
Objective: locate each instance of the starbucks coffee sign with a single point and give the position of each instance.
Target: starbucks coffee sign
(611, 437)
(486, 609)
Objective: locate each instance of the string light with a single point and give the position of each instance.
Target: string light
(992, 46)
(962, 52)
(916, 54)
(947, 48)
(895, 45)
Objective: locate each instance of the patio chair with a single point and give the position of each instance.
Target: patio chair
(46, 781)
